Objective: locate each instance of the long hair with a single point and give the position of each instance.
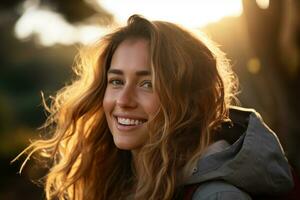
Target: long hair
(195, 86)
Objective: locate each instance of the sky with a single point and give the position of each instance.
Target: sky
(189, 13)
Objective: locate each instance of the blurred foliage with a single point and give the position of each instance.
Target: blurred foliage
(26, 70)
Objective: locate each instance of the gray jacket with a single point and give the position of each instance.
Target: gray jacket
(254, 164)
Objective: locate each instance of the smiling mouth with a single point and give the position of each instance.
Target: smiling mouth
(129, 122)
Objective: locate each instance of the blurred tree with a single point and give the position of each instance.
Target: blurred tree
(264, 29)
(273, 31)
(79, 10)
(9, 4)
(73, 10)
(26, 69)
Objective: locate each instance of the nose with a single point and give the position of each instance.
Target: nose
(126, 98)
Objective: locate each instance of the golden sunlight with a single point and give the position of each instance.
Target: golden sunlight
(190, 13)
(263, 4)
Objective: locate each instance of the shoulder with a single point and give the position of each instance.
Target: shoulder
(219, 190)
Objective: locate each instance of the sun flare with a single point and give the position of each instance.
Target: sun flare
(190, 13)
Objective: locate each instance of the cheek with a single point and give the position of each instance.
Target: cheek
(107, 103)
(152, 105)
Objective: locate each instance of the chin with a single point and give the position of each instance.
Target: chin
(126, 145)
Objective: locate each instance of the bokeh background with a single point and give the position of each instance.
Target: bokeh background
(40, 38)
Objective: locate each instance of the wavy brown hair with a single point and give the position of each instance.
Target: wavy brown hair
(195, 85)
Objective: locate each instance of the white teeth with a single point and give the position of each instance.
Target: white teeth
(127, 121)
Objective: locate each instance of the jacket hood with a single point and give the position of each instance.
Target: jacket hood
(255, 162)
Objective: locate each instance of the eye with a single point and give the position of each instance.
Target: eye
(115, 82)
(146, 84)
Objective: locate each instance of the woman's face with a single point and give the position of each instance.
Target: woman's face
(130, 102)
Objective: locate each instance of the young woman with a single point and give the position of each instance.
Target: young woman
(150, 114)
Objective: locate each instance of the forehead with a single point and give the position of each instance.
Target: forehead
(131, 54)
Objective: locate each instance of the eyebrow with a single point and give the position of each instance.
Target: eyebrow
(138, 73)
